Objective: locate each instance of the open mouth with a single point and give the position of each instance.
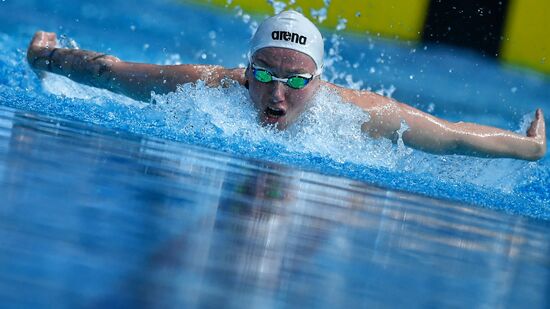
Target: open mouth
(274, 112)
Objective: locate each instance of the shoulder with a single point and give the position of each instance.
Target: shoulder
(213, 75)
(366, 100)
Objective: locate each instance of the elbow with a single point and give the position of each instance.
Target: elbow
(537, 152)
(531, 150)
(448, 143)
(104, 72)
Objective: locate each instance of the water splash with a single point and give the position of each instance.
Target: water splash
(278, 6)
(320, 14)
(67, 42)
(328, 128)
(61, 86)
(342, 23)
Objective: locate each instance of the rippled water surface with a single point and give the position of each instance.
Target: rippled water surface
(93, 217)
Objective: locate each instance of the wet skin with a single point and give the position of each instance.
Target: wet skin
(277, 103)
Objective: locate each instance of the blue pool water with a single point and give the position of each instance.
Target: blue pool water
(189, 202)
(455, 85)
(97, 218)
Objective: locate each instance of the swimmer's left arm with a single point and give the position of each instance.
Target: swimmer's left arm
(434, 135)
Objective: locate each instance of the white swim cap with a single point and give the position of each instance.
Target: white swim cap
(292, 30)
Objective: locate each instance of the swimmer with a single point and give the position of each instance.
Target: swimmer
(282, 76)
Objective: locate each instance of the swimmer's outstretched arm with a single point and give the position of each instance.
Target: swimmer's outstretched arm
(135, 80)
(434, 135)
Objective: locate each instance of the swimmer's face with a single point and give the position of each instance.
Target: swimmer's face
(277, 103)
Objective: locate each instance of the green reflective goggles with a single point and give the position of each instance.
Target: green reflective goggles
(297, 81)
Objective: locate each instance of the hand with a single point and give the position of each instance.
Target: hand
(40, 47)
(537, 131)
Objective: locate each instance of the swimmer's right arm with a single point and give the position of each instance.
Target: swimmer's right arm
(135, 80)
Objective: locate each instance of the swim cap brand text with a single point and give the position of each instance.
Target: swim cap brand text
(289, 36)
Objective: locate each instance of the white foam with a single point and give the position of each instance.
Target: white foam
(64, 87)
(329, 128)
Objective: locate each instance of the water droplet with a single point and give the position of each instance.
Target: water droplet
(320, 14)
(341, 24)
(278, 6)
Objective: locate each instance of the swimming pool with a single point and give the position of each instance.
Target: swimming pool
(94, 217)
(451, 84)
(123, 187)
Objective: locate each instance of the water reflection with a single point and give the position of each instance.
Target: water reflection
(98, 218)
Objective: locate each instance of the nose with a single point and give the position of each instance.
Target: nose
(278, 92)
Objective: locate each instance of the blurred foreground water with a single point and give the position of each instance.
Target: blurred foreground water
(94, 217)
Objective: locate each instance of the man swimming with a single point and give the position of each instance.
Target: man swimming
(282, 76)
